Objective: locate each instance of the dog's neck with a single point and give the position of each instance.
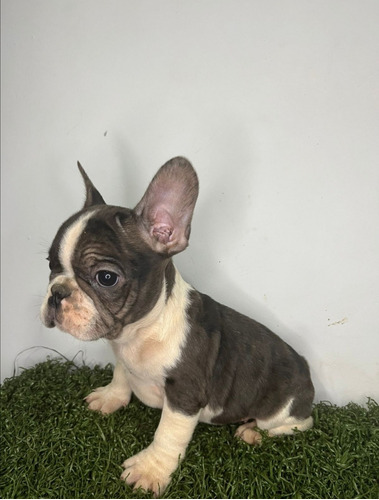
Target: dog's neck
(161, 321)
(150, 347)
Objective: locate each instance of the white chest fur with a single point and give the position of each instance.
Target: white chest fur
(150, 347)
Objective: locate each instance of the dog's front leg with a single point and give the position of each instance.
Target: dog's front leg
(152, 467)
(113, 396)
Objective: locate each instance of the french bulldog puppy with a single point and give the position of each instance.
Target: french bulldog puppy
(112, 276)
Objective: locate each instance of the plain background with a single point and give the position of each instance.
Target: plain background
(276, 104)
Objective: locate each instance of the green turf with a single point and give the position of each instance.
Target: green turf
(52, 446)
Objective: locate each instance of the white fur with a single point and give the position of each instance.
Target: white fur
(284, 423)
(114, 395)
(151, 346)
(152, 467)
(69, 242)
(207, 414)
(146, 350)
(78, 310)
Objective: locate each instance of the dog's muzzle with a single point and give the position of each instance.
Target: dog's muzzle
(58, 293)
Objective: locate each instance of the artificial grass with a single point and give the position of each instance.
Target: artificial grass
(52, 446)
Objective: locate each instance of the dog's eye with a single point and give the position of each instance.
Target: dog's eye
(107, 278)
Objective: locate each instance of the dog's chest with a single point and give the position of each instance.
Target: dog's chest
(147, 359)
(149, 349)
(146, 362)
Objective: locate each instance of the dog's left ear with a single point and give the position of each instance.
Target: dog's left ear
(93, 197)
(166, 208)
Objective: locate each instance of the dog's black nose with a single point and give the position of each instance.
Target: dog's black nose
(58, 293)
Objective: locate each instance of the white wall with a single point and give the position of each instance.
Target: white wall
(275, 103)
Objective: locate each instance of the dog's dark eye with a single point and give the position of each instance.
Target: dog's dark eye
(107, 278)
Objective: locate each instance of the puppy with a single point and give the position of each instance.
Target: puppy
(112, 276)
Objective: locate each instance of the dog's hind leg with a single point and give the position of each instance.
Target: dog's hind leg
(279, 424)
(283, 422)
(288, 428)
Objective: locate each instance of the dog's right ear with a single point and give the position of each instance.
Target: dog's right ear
(93, 197)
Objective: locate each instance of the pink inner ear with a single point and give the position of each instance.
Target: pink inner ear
(166, 207)
(162, 233)
(163, 226)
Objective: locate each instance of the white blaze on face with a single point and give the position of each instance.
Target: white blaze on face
(69, 242)
(77, 313)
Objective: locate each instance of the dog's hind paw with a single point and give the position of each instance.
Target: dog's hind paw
(247, 433)
(107, 399)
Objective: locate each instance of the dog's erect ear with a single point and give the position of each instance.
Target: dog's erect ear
(166, 208)
(93, 197)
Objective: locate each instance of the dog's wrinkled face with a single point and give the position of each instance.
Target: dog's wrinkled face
(108, 263)
(99, 264)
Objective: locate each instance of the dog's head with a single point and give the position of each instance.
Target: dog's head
(108, 263)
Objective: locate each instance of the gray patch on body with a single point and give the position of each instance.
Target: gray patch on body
(234, 363)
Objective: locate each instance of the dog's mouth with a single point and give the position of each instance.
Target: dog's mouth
(52, 318)
(48, 317)
(50, 323)
(73, 311)
(71, 314)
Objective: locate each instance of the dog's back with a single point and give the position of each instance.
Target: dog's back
(242, 369)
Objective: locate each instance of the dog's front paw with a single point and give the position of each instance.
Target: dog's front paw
(149, 471)
(107, 399)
